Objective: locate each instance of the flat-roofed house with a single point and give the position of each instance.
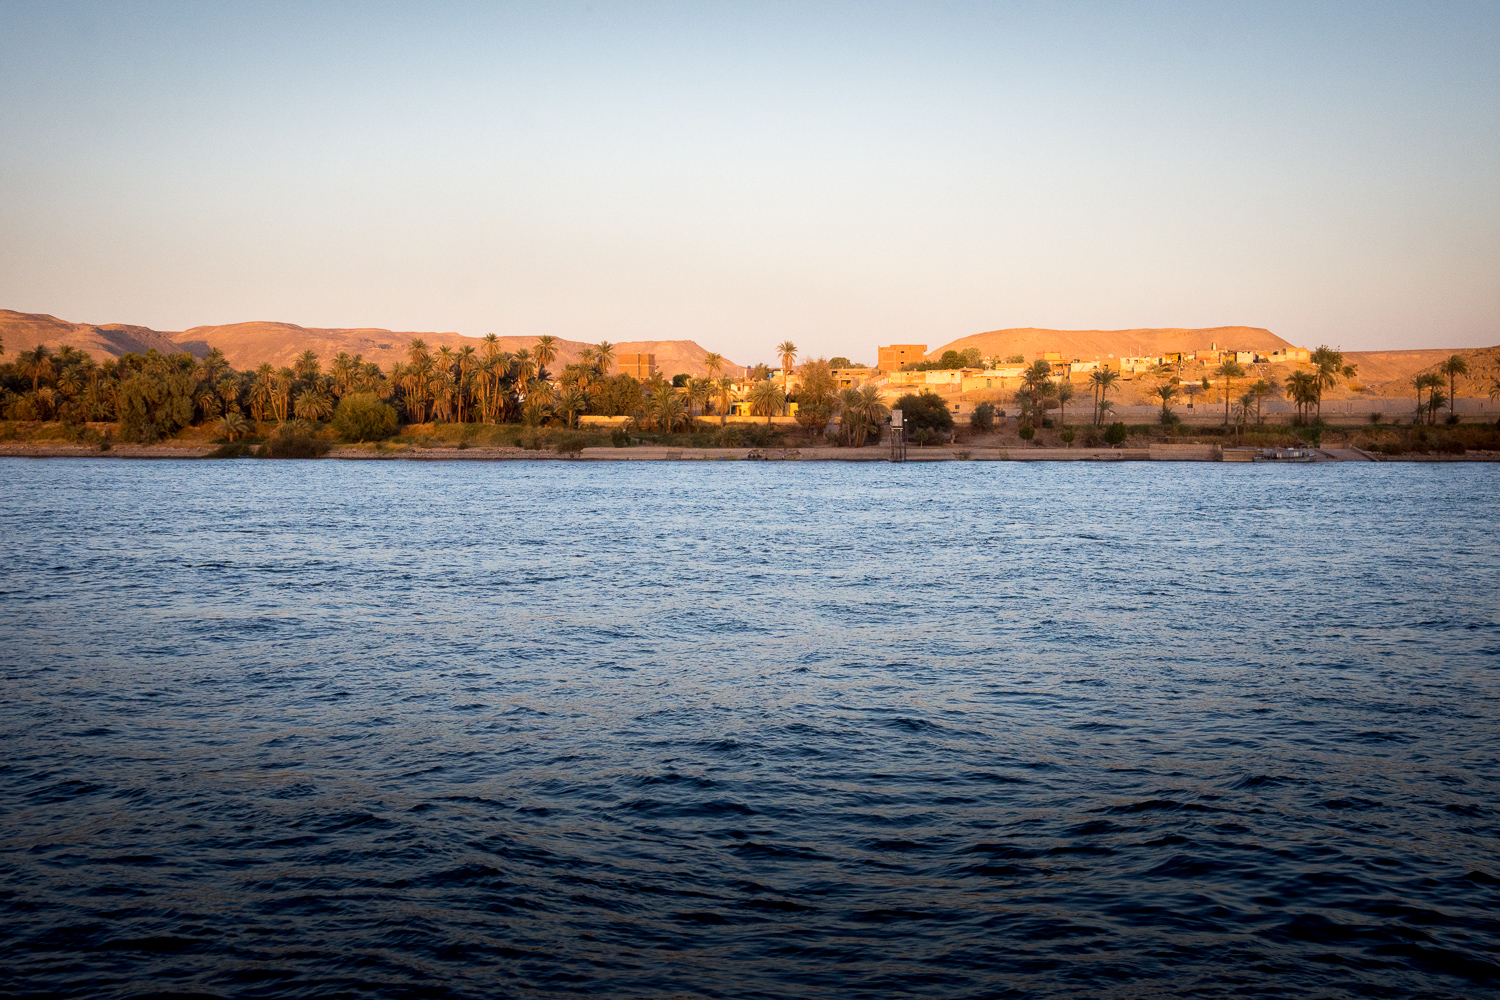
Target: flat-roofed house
(893, 356)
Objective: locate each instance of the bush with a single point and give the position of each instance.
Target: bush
(924, 410)
(982, 420)
(294, 445)
(1375, 417)
(235, 449)
(1391, 448)
(1068, 435)
(1116, 432)
(1452, 419)
(619, 437)
(1027, 433)
(570, 445)
(1452, 448)
(364, 416)
(925, 436)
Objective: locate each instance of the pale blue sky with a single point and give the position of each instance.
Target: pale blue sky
(843, 174)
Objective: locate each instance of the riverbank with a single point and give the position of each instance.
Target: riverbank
(661, 453)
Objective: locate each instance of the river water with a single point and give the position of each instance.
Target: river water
(534, 729)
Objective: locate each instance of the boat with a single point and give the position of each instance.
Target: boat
(1285, 455)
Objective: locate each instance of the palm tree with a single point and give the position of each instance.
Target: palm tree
(788, 353)
(232, 424)
(571, 403)
(545, 350)
(1262, 389)
(314, 404)
(416, 351)
(724, 387)
(699, 392)
(1302, 386)
(1101, 381)
(1242, 409)
(1328, 365)
(1228, 371)
(1429, 381)
(306, 366)
(872, 409)
(766, 399)
(1433, 383)
(1166, 393)
(1453, 367)
(36, 363)
(604, 353)
(1064, 393)
(714, 363)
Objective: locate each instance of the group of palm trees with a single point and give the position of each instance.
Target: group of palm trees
(1432, 384)
(1039, 390)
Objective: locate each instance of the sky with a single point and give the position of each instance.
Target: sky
(839, 174)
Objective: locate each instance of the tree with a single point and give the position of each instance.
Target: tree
(817, 396)
(667, 407)
(306, 366)
(313, 404)
(982, 419)
(1328, 367)
(36, 364)
(604, 354)
(545, 350)
(1302, 386)
(364, 416)
(724, 387)
(1101, 380)
(1453, 367)
(699, 392)
(571, 403)
(714, 363)
(1064, 394)
(924, 410)
(232, 424)
(1431, 381)
(787, 351)
(1228, 371)
(1116, 433)
(766, 399)
(1262, 389)
(1166, 393)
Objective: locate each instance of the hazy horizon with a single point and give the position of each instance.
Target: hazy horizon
(841, 175)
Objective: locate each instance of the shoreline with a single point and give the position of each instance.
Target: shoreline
(663, 453)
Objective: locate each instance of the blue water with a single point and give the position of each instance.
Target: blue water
(538, 729)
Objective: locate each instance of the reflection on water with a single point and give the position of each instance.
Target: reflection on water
(468, 730)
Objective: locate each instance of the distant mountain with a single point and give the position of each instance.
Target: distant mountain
(249, 345)
(1089, 345)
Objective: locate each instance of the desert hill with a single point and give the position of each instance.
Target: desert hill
(248, 345)
(23, 331)
(1089, 345)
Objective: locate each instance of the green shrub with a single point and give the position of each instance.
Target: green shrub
(570, 445)
(982, 420)
(1027, 432)
(364, 416)
(1375, 417)
(294, 445)
(925, 410)
(1116, 432)
(619, 437)
(1068, 435)
(234, 449)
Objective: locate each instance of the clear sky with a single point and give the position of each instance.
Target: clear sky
(841, 174)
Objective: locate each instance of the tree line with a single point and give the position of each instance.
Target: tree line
(152, 396)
